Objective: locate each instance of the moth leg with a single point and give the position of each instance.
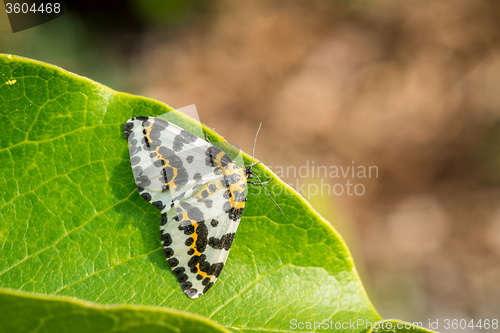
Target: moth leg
(207, 139)
(261, 183)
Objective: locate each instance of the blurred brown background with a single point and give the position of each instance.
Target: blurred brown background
(412, 87)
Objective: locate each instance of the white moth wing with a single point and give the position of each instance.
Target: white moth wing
(197, 240)
(200, 191)
(166, 160)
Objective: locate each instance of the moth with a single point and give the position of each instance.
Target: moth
(201, 194)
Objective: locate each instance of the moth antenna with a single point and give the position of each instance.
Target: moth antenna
(260, 181)
(254, 142)
(269, 195)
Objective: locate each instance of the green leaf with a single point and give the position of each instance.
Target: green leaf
(24, 312)
(73, 224)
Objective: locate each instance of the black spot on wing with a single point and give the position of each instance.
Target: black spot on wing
(183, 138)
(168, 252)
(194, 213)
(141, 180)
(225, 160)
(208, 286)
(179, 272)
(159, 205)
(196, 260)
(205, 281)
(133, 148)
(211, 155)
(232, 212)
(175, 168)
(205, 266)
(156, 130)
(166, 239)
(232, 178)
(239, 196)
(221, 243)
(217, 268)
(186, 285)
(134, 160)
(235, 213)
(164, 219)
(182, 278)
(188, 229)
(173, 262)
(191, 292)
(128, 128)
(146, 196)
(146, 144)
(202, 240)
